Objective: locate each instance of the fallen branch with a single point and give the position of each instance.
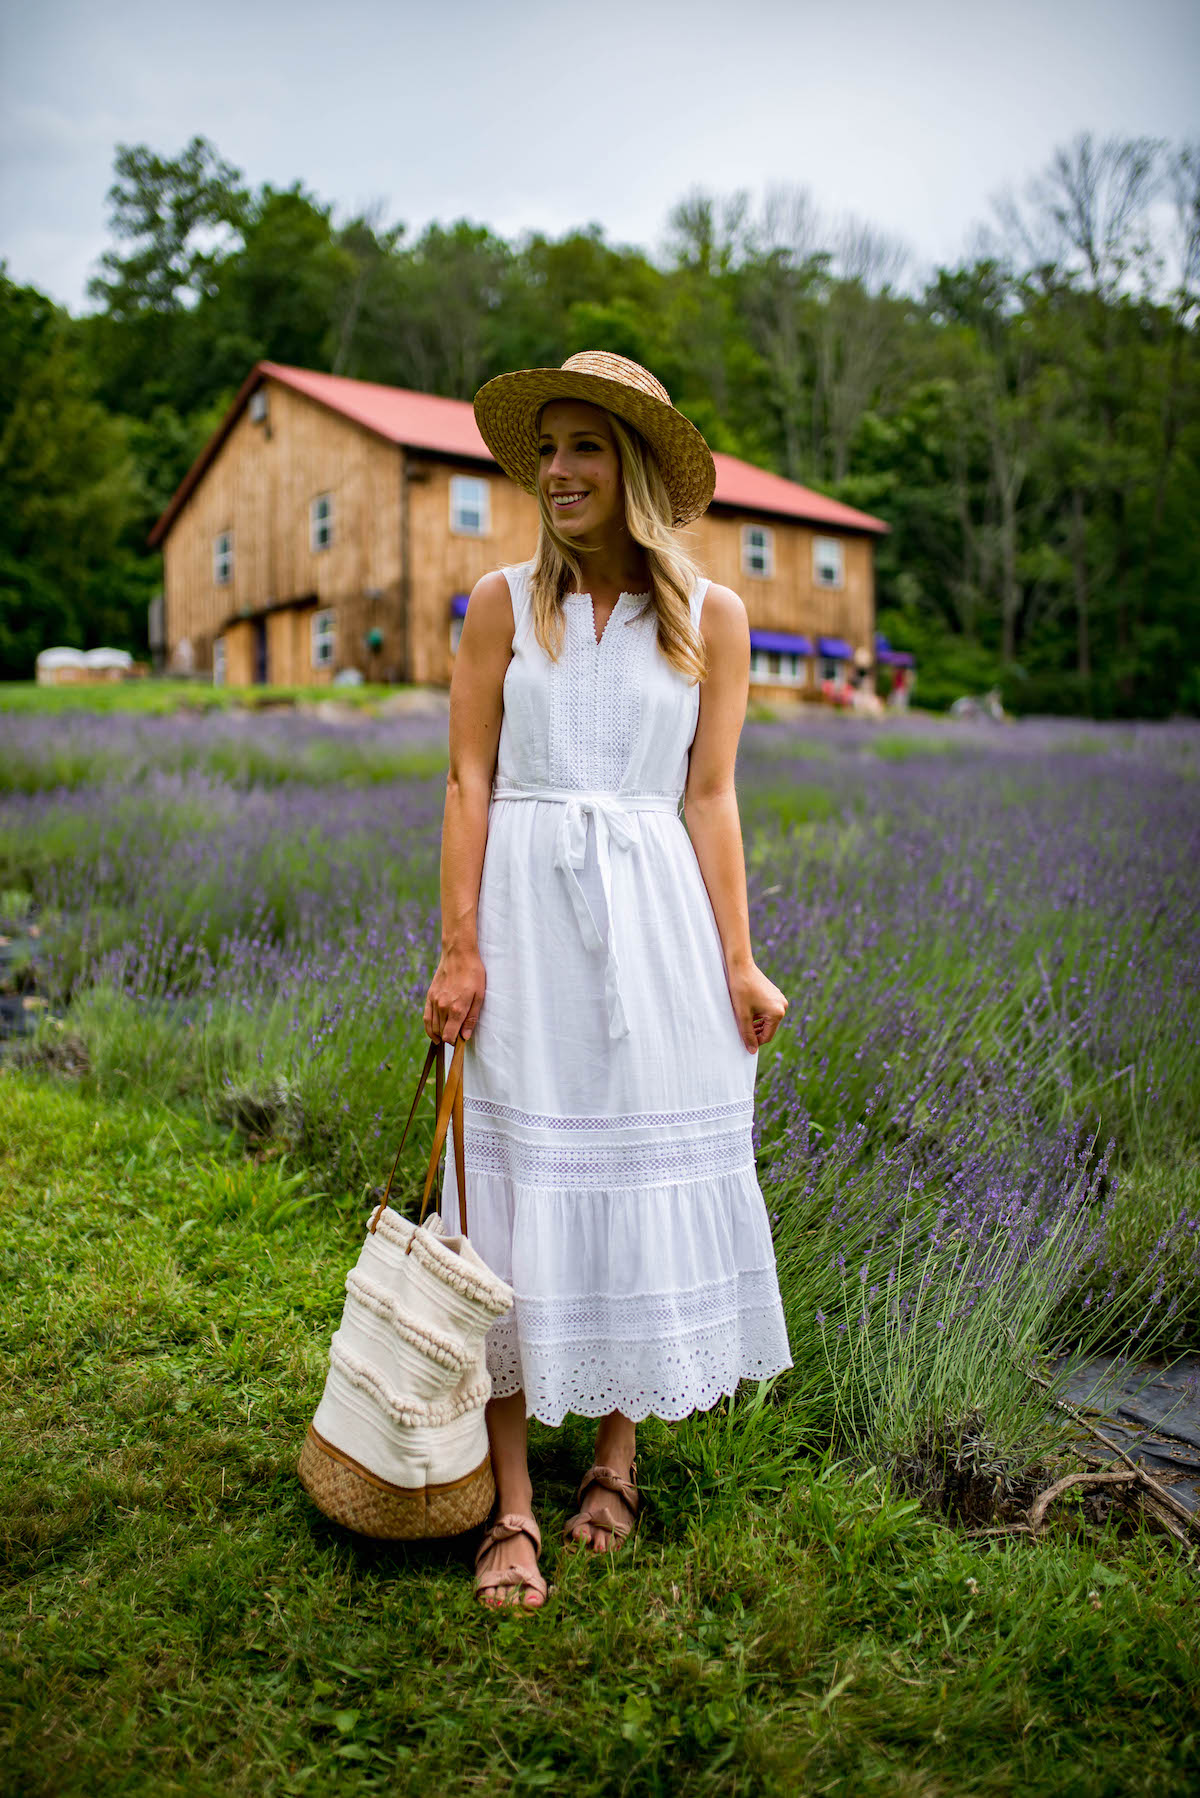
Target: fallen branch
(1163, 1499)
(1150, 1504)
(1036, 1513)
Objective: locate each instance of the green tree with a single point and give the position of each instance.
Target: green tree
(182, 219)
(68, 493)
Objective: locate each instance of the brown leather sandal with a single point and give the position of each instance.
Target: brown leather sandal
(604, 1518)
(513, 1523)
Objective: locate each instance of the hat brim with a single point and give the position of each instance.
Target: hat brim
(506, 411)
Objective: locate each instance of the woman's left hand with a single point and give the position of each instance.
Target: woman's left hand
(758, 1005)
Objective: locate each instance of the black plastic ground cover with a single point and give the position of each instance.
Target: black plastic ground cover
(1149, 1409)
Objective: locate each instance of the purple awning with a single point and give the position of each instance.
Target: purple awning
(458, 605)
(781, 643)
(836, 648)
(887, 657)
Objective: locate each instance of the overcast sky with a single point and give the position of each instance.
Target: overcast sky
(543, 116)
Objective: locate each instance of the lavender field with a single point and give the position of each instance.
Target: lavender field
(979, 1129)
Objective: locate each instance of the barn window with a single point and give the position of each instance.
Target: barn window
(828, 564)
(320, 522)
(218, 661)
(223, 558)
(469, 507)
(323, 633)
(782, 669)
(758, 549)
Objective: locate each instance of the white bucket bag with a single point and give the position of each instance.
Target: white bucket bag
(398, 1447)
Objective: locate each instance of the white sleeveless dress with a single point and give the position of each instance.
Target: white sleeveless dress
(608, 1097)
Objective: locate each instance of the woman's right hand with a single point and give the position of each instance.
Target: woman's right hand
(455, 996)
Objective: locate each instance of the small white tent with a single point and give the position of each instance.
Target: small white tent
(108, 660)
(55, 665)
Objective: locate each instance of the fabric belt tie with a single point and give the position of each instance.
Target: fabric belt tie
(613, 823)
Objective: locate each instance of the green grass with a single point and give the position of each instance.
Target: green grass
(155, 697)
(176, 1618)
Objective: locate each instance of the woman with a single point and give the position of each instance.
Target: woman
(596, 959)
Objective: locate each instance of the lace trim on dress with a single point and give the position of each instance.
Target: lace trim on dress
(663, 1317)
(583, 1370)
(604, 1166)
(639, 1120)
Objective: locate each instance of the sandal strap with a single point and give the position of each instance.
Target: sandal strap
(599, 1519)
(504, 1577)
(612, 1481)
(513, 1523)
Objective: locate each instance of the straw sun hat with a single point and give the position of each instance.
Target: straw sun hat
(507, 408)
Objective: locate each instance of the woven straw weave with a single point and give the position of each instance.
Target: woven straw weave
(351, 1495)
(507, 408)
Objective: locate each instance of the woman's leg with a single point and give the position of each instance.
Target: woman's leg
(616, 1444)
(507, 1435)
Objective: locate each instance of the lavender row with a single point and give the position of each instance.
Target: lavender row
(977, 1129)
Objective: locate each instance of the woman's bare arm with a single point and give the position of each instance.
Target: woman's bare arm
(711, 809)
(476, 708)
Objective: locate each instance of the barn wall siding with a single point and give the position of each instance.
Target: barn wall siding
(443, 564)
(790, 599)
(261, 487)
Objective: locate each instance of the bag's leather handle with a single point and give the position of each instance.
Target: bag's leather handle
(448, 1100)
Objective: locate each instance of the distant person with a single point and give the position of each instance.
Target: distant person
(898, 698)
(864, 700)
(596, 955)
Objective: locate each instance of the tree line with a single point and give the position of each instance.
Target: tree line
(1027, 421)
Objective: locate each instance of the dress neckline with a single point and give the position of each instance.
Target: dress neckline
(591, 605)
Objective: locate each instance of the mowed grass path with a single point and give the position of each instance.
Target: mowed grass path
(176, 1617)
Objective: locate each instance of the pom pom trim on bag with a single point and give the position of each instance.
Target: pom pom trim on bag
(408, 1413)
(433, 1344)
(478, 1284)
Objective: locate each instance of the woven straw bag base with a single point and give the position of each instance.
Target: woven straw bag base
(350, 1494)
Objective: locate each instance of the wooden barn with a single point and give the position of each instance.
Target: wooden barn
(333, 524)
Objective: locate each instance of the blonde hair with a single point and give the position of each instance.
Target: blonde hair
(648, 519)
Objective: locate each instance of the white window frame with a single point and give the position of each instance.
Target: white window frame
(222, 558)
(792, 671)
(320, 522)
(470, 499)
(323, 637)
(219, 662)
(822, 559)
(831, 669)
(758, 557)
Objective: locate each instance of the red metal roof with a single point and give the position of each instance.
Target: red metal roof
(418, 420)
(447, 428)
(745, 488)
